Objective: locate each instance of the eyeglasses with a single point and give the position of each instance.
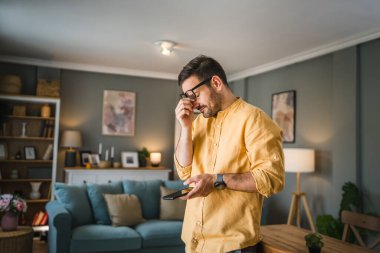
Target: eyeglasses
(190, 93)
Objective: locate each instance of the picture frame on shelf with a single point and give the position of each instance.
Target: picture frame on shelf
(119, 109)
(30, 153)
(94, 159)
(85, 157)
(284, 113)
(3, 151)
(129, 159)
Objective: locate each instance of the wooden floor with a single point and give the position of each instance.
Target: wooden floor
(39, 246)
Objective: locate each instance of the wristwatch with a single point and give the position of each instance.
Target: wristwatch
(219, 183)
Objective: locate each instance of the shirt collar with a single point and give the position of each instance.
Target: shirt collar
(231, 107)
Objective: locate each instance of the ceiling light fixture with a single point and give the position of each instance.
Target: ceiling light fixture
(166, 46)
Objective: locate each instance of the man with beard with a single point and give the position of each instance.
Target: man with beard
(232, 156)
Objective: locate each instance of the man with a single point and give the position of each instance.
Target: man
(231, 154)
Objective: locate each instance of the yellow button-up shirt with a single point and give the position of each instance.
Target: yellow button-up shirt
(239, 139)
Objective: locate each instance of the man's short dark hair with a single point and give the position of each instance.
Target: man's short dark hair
(202, 67)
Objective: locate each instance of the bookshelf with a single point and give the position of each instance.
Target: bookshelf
(28, 149)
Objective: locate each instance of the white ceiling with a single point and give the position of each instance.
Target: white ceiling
(117, 36)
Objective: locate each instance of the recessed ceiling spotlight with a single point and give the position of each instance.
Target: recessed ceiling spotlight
(166, 46)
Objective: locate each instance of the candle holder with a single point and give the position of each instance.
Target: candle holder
(23, 129)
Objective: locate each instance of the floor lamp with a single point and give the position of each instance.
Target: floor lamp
(299, 160)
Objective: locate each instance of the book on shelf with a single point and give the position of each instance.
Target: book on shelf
(43, 129)
(50, 129)
(40, 218)
(47, 130)
(37, 218)
(48, 152)
(44, 219)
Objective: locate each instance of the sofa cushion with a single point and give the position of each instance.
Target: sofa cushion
(148, 193)
(171, 209)
(158, 233)
(74, 199)
(99, 207)
(124, 209)
(174, 184)
(104, 238)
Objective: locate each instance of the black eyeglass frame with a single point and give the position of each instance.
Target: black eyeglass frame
(193, 95)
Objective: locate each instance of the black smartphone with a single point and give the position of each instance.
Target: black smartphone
(177, 194)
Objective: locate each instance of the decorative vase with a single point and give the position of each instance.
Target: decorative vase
(35, 193)
(9, 221)
(45, 111)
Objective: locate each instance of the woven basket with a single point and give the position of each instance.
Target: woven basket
(10, 84)
(47, 88)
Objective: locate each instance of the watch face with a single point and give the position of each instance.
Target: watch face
(220, 185)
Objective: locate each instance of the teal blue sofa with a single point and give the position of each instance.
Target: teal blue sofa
(79, 220)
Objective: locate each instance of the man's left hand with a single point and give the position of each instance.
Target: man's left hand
(203, 186)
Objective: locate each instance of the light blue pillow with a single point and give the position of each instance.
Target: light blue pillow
(149, 195)
(74, 199)
(99, 206)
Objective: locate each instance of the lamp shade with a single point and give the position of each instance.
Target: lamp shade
(299, 160)
(71, 139)
(155, 158)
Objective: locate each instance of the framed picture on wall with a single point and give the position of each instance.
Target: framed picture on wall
(119, 109)
(284, 113)
(129, 159)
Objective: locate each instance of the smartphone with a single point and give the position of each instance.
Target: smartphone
(177, 194)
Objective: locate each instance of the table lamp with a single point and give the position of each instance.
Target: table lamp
(71, 139)
(299, 160)
(155, 158)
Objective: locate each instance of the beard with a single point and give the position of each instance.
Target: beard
(214, 106)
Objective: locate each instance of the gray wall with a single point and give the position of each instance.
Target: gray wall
(370, 124)
(336, 116)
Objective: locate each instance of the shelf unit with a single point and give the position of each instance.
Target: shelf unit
(79, 175)
(40, 132)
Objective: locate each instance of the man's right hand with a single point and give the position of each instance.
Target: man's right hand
(184, 112)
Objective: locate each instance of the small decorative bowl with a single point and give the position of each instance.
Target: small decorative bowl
(104, 164)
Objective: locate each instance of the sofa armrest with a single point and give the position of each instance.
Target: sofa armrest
(59, 228)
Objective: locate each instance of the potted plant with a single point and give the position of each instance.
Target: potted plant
(13, 206)
(143, 157)
(314, 242)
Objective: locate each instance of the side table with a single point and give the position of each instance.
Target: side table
(19, 241)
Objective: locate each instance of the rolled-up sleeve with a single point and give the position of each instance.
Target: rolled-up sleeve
(264, 148)
(183, 172)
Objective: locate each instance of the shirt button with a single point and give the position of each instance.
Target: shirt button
(199, 223)
(216, 144)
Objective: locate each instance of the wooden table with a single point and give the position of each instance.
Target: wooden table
(287, 238)
(19, 241)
